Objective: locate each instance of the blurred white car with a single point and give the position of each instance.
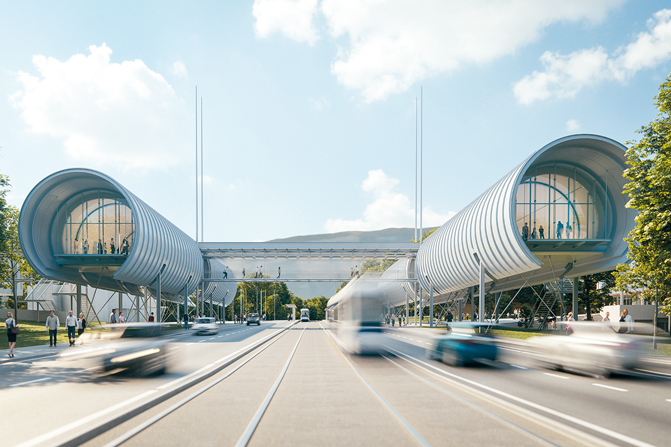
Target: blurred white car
(589, 347)
(205, 326)
(362, 340)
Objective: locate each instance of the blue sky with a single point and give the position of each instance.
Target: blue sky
(309, 106)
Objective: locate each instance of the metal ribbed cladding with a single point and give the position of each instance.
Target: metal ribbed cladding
(220, 291)
(157, 241)
(487, 226)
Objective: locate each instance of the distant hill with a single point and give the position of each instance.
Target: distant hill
(386, 235)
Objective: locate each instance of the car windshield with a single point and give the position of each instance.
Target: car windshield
(205, 320)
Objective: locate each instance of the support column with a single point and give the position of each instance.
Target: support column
(79, 299)
(186, 306)
(481, 304)
(621, 297)
(407, 311)
(460, 310)
(574, 307)
(120, 304)
(158, 297)
(137, 308)
(210, 305)
(421, 307)
(431, 306)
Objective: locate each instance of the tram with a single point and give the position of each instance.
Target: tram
(305, 314)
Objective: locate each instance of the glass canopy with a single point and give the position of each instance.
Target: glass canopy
(96, 224)
(560, 202)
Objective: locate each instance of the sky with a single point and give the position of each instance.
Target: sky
(309, 106)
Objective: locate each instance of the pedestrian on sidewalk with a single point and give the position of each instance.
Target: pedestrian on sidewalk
(81, 324)
(151, 317)
(52, 323)
(71, 324)
(10, 324)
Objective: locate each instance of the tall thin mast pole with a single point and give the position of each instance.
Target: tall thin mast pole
(421, 161)
(196, 163)
(416, 169)
(202, 187)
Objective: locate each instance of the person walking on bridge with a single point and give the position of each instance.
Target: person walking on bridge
(279, 272)
(113, 317)
(52, 325)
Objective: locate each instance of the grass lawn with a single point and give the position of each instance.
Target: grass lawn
(32, 334)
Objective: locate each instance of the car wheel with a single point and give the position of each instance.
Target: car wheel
(451, 358)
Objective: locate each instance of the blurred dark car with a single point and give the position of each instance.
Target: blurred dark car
(463, 345)
(139, 348)
(253, 319)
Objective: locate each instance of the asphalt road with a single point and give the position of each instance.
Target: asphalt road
(298, 388)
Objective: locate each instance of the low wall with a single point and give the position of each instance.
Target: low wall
(32, 315)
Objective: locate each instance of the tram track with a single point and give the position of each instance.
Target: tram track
(560, 430)
(149, 399)
(558, 422)
(140, 428)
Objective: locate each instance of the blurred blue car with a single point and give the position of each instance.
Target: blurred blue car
(463, 345)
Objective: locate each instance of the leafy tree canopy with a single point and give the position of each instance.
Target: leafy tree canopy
(649, 191)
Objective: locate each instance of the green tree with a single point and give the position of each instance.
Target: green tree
(425, 235)
(12, 261)
(596, 290)
(649, 192)
(376, 265)
(4, 188)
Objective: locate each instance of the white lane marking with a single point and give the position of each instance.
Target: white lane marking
(201, 341)
(175, 347)
(185, 377)
(40, 440)
(31, 381)
(411, 339)
(610, 387)
(668, 400)
(575, 420)
(249, 431)
(557, 376)
(188, 344)
(518, 366)
(89, 369)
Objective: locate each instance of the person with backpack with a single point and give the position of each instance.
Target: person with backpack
(12, 330)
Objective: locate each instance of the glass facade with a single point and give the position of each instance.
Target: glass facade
(95, 224)
(561, 202)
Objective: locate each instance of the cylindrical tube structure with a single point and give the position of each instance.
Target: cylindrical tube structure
(83, 227)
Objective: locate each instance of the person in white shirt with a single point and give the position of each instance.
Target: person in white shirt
(52, 323)
(629, 320)
(71, 324)
(122, 319)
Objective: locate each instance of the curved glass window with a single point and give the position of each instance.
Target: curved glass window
(99, 225)
(559, 202)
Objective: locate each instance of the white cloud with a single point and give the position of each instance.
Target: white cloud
(391, 44)
(388, 209)
(572, 125)
(565, 75)
(293, 18)
(319, 104)
(107, 114)
(178, 70)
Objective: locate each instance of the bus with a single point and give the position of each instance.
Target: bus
(305, 314)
